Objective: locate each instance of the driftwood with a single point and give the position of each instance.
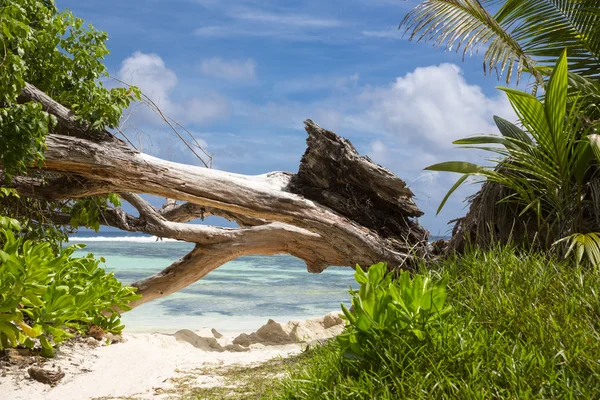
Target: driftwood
(339, 209)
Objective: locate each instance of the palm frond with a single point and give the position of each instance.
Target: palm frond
(522, 34)
(468, 25)
(544, 28)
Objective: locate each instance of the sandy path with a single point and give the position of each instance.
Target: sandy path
(144, 365)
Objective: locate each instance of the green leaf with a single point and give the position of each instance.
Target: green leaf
(489, 139)
(376, 273)
(532, 115)
(456, 185)
(461, 167)
(510, 130)
(556, 97)
(360, 276)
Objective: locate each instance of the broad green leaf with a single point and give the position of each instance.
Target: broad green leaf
(556, 98)
(461, 167)
(376, 273)
(360, 276)
(510, 130)
(475, 140)
(532, 115)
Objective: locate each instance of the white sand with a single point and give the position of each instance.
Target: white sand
(146, 363)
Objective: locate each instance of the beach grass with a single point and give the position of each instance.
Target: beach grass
(237, 382)
(524, 325)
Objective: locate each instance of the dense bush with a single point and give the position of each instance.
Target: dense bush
(50, 296)
(406, 309)
(522, 326)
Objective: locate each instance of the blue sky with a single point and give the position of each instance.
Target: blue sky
(243, 75)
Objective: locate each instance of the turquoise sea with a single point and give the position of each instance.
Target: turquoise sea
(240, 296)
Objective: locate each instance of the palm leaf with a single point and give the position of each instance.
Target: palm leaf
(510, 130)
(466, 24)
(521, 34)
(461, 167)
(556, 98)
(458, 183)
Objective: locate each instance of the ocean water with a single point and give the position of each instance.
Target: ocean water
(239, 296)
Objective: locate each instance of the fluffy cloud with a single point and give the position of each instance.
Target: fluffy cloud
(157, 81)
(431, 106)
(235, 70)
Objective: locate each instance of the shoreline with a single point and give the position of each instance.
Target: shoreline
(149, 365)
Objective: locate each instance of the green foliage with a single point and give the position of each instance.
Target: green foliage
(48, 296)
(411, 308)
(23, 129)
(523, 326)
(548, 165)
(518, 34)
(62, 56)
(88, 212)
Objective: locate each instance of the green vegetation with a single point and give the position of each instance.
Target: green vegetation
(60, 55)
(524, 323)
(549, 168)
(50, 296)
(522, 326)
(408, 309)
(529, 35)
(46, 295)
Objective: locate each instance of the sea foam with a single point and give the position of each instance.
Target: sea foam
(134, 239)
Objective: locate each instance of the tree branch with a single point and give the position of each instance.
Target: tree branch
(186, 212)
(274, 238)
(340, 209)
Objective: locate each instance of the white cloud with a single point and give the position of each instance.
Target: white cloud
(157, 81)
(316, 83)
(429, 107)
(416, 118)
(299, 20)
(387, 34)
(252, 21)
(148, 71)
(236, 70)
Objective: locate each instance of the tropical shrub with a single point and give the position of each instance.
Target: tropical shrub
(64, 57)
(549, 166)
(383, 307)
(48, 296)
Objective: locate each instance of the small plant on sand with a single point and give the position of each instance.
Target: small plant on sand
(48, 296)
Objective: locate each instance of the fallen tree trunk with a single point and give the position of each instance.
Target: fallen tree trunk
(340, 209)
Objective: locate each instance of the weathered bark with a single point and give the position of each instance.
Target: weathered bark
(57, 187)
(335, 175)
(340, 209)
